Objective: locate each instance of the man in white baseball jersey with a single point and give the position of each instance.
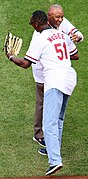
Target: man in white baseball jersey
(53, 49)
(56, 20)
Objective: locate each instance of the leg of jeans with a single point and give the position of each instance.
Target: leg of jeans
(38, 132)
(62, 116)
(53, 100)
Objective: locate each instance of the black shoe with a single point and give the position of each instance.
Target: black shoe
(53, 169)
(40, 141)
(42, 151)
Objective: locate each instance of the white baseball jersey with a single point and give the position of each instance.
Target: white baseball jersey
(53, 49)
(65, 27)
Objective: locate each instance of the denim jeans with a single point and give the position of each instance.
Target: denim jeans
(53, 117)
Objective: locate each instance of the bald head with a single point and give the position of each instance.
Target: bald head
(55, 7)
(55, 15)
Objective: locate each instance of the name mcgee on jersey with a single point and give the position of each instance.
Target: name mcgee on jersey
(56, 36)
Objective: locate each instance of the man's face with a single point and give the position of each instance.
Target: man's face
(35, 24)
(55, 17)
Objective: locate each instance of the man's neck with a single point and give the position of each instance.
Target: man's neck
(45, 27)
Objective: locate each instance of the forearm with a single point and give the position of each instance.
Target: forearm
(77, 37)
(19, 61)
(74, 57)
(80, 36)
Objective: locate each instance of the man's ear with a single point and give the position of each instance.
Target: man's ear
(36, 24)
(48, 14)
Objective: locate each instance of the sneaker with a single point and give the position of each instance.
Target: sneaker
(53, 169)
(42, 151)
(40, 141)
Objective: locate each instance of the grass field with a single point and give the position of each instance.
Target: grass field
(18, 152)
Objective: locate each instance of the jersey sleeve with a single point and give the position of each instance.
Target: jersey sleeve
(72, 47)
(68, 28)
(34, 50)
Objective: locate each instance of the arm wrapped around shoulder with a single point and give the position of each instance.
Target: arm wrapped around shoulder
(80, 36)
(77, 37)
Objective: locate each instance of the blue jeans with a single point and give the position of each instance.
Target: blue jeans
(55, 103)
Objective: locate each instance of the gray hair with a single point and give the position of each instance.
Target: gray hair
(55, 6)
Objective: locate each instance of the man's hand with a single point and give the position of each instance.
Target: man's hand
(75, 38)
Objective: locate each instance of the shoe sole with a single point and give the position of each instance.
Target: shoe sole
(38, 142)
(41, 153)
(58, 167)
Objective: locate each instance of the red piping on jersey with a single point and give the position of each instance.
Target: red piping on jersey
(71, 31)
(31, 58)
(73, 50)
